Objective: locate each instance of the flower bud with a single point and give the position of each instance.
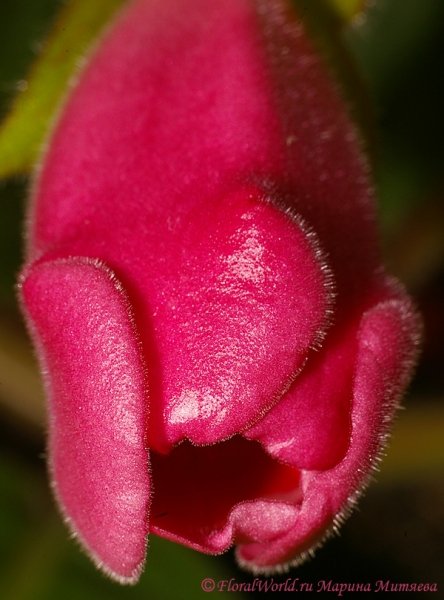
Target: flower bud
(222, 349)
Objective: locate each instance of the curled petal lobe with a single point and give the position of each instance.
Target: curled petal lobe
(95, 381)
(387, 343)
(247, 305)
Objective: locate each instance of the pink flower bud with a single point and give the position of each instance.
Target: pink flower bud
(222, 350)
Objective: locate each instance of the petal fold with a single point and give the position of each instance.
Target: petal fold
(310, 427)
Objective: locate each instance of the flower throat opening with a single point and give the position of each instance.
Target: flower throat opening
(197, 487)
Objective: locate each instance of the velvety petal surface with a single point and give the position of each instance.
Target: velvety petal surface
(81, 323)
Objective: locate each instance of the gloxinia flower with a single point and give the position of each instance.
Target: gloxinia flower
(222, 350)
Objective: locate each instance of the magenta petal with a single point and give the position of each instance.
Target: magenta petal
(81, 323)
(252, 298)
(387, 343)
(310, 427)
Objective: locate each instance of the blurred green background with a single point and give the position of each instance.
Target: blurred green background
(398, 533)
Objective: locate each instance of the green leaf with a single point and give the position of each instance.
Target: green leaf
(24, 129)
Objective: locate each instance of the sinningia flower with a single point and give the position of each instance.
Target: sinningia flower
(222, 350)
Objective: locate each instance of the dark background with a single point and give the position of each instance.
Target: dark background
(398, 532)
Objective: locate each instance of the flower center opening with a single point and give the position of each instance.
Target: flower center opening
(196, 488)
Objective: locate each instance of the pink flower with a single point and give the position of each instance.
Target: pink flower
(222, 350)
